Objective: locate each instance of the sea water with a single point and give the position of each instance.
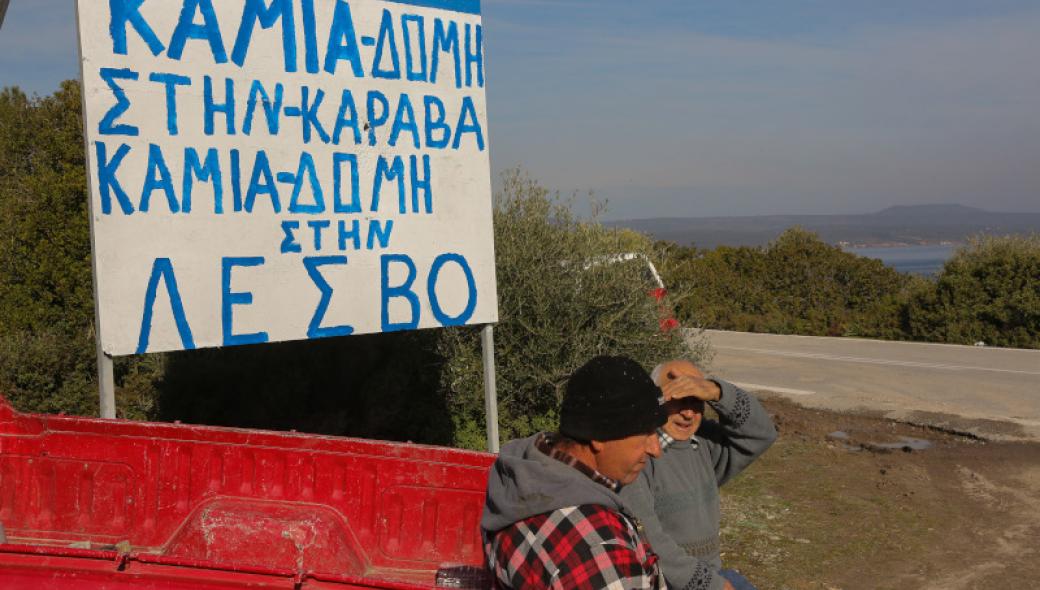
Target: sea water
(918, 260)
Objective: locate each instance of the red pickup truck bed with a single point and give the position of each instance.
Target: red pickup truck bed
(91, 504)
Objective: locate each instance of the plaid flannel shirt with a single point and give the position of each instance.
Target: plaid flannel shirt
(577, 547)
(667, 440)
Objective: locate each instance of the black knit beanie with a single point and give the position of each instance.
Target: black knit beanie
(608, 398)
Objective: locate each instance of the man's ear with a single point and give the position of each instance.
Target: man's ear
(596, 446)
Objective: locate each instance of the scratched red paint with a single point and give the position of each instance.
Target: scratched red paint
(95, 504)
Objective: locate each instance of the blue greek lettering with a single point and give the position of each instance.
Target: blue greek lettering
(374, 120)
(188, 29)
(402, 291)
(289, 243)
(262, 168)
(210, 172)
(107, 125)
(387, 37)
(446, 41)
(474, 55)
(347, 117)
(230, 298)
(306, 170)
(392, 173)
(435, 123)
(272, 110)
(157, 177)
(423, 185)
(343, 41)
(468, 112)
(353, 234)
(409, 56)
(377, 232)
(162, 268)
(318, 226)
(354, 206)
(314, 330)
(404, 120)
(211, 108)
(171, 82)
(129, 11)
(471, 290)
(254, 12)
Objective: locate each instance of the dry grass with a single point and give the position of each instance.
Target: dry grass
(812, 514)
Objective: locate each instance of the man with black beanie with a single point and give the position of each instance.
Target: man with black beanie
(553, 517)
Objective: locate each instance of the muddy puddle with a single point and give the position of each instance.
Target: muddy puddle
(906, 444)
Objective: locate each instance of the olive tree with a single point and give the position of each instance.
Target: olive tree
(565, 295)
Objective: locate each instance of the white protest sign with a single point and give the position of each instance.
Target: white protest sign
(269, 170)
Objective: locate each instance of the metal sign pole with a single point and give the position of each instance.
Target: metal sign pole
(487, 341)
(106, 384)
(106, 373)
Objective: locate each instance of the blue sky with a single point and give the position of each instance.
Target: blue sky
(693, 108)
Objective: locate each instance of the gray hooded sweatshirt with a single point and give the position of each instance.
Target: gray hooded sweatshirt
(525, 482)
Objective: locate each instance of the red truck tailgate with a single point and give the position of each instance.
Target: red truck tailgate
(90, 503)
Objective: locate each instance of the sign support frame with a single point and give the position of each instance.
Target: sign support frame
(487, 341)
(105, 364)
(106, 384)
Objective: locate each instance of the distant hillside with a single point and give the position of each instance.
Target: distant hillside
(911, 224)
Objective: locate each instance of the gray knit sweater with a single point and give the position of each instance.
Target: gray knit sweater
(677, 496)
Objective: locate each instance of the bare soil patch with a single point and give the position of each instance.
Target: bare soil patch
(840, 503)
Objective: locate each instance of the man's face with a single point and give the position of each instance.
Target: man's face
(684, 417)
(622, 459)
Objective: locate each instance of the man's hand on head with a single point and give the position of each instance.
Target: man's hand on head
(685, 386)
(678, 368)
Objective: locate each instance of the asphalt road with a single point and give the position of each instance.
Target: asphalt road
(990, 392)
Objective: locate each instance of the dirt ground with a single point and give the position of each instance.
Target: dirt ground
(830, 506)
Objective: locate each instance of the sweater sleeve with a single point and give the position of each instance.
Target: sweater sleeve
(743, 432)
(681, 570)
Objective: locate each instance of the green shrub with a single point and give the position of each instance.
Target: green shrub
(45, 256)
(796, 285)
(47, 360)
(47, 371)
(988, 291)
(47, 349)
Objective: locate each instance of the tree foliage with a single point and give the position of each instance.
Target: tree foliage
(796, 285)
(45, 258)
(564, 297)
(989, 292)
(46, 328)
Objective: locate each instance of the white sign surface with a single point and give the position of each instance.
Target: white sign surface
(269, 170)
